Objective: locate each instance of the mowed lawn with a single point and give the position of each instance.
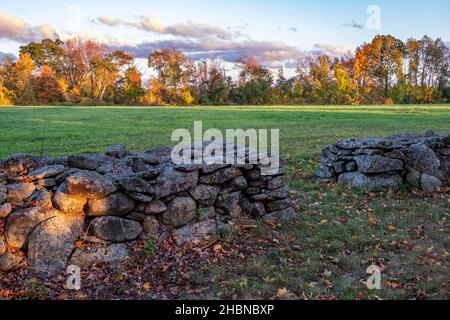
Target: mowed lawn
(340, 231)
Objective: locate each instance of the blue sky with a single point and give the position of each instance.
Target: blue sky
(274, 31)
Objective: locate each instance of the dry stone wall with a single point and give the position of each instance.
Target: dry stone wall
(107, 200)
(421, 161)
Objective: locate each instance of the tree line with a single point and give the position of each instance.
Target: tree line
(77, 72)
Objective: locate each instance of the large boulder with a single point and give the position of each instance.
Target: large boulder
(172, 182)
(66, 202)
(9, 261)
(115, 229)
(430, 183)
(197, 233)
(372, 183)
(51, 243)
(84, 162)
(423, 159)
(98, 253)
(116, 204)
(378, 164)
(180, 212)
(21, 190)
(205, 195)
(286, 215)
(88, 184)
(19, 224)
(46, 172)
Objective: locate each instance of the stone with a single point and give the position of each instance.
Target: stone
(155, 207)
(257, 209)
(149, 174)
(98, 253)
(51, 244)
(366, 143)
(286, 215)
(372, 183)
(351, 166)
(84, 162)
(151, 226)
(325, 173)
(339, 167)
(136, 185)
(180, 212)
(378, 164)
(172, 182)
(2, 197)
(68, 203)
(46, 183)
(205, 195)
(41, 198)
(46, 172)
(5, 210)
(423, 159)
(116, 204)
(115, 229)
(253, 175)
(413, 178)
(430, 183)
(276, 183)
(19, 163)
(279, 205)
(9, 261)
(239, 184)
(220, 176)
(278, 194)
(88, 184)
(21, 190)
(117, 151)
(21, 223)
(197, 233)
(2, 245)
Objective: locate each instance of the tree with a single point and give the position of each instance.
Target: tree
(174, 71)
(48, 52)
(18, 79)
(255, 82)
(48, 89)
(131, 91)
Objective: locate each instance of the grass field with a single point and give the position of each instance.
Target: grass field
(340, 231)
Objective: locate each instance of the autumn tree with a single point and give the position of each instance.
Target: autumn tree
(48, 52)
(130, 88)
(174, 71)
(48, 89)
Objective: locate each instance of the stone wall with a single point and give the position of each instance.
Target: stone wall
(381, 163)
(111, 199)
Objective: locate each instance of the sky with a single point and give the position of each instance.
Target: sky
(277, 33)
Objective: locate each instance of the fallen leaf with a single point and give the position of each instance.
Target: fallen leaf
(147, 286)
(283, 293)
(392, 228)
(373, 220)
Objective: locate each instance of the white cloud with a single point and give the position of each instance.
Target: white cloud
(13, 28)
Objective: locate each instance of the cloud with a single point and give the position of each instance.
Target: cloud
(13, 28)
(268, 52)
(332, 50)
(189, 29)
(293, 29)
(354, 25)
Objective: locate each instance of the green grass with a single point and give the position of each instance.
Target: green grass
(326, 254)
